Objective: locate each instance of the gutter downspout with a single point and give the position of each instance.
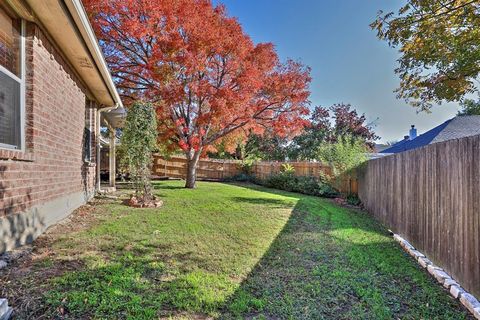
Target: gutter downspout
(99, 116)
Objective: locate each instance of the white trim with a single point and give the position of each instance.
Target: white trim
(97, 149)
(22, 86)
(21, 81)
(10, 74)
(98, 135)
(9, 147)
(91, 125)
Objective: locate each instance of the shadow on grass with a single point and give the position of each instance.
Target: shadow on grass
(327, 262)
(128, 185)
(330, 262)
(263, 201)
(166, 187)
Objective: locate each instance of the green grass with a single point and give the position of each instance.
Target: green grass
(238, 251)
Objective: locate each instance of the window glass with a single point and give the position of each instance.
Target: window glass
(10, 85)
(9, 111)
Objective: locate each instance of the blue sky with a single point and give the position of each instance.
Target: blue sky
(349, 64)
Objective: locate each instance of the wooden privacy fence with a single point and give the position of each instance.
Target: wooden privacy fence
(207, 169)
(211, 169)
(431, 197)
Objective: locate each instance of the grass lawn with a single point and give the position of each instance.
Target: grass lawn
(222, 251)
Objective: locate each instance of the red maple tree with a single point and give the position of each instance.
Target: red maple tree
(206, 77)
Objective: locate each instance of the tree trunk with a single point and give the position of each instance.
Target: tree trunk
(192, 161)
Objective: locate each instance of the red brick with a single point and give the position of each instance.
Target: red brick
(52, 165)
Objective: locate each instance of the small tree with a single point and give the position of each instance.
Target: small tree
(344, 155)
(139, 140)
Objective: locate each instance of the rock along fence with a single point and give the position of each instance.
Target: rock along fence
(211, 169)
(431, 197)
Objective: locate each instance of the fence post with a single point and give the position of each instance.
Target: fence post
(223, 170)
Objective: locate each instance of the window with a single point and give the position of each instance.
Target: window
(11, 82)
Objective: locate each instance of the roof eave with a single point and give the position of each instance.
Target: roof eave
(83, 24)
(67, 24)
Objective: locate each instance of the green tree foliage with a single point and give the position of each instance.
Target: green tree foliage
(344, 155)
(304, 146)
(469, 108)
(325, 125)
(269, 147)
(139, 140)
(439, 45)
(328, 124)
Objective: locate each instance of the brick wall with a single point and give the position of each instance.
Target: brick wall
(52, 165)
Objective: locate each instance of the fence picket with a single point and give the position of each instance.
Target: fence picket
(430, 196)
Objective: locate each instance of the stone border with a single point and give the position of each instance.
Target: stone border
(5, 310)
(468, 300)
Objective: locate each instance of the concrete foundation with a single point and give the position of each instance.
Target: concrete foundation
(22, 228)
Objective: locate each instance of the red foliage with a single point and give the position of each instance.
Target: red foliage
(204, 74)
(346, 120)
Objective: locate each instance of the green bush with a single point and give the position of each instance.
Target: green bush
(353, 199)
(246, 166)
(306, 185)
(241, 177)
(286, 180)
(288, 168)
(345, 155)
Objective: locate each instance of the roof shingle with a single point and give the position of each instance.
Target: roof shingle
(458, 127)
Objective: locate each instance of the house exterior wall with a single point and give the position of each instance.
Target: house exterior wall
(49, 179)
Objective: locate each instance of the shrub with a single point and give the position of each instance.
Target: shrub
(288, 168)
(327, 191)
(246, 166)
(306, 185)
(282, 181)
(345, 154)
(286, 180)
(241, 177)
(353, 199)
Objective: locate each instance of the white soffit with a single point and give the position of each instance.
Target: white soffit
(67, 24)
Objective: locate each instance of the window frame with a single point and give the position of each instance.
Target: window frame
(21, 81)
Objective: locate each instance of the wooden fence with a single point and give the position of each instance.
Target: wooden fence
(431, 197)
(210, 169)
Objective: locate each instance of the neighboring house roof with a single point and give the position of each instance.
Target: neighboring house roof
(379, 147)
(458, 127)
(67, 24)
(376, 155)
